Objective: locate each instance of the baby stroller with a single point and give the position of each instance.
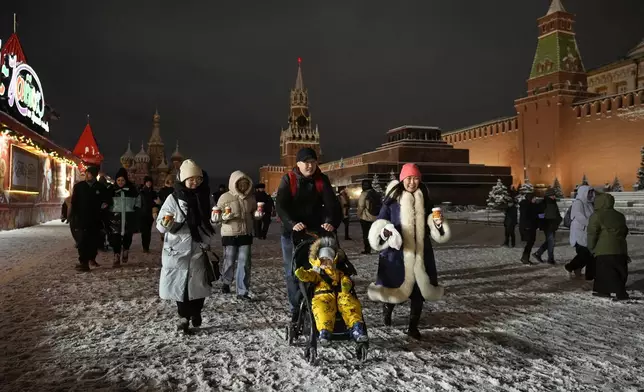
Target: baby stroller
(305, 324)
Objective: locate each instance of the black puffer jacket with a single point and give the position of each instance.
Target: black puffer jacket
(86, 205)
(125, 202)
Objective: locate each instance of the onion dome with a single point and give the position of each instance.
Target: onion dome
(176, 155)
(163, 165)
(128, 156)
(142, 156)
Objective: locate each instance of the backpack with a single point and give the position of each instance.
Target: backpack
(292, 179)
(374, 202)
(567, 220)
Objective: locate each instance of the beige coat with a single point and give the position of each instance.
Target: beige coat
(363, 209)
(242, 206)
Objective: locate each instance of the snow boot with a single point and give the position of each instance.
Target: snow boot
(387, 310)
(93, 263)
(414, 319)
(601, 295)
(125, 256)
(243, 297)
(538, 257)
(196, 321)
(117, 261)
(225, 289)
(358, 333)
(325, 338)
(82, 267)
(184, 326)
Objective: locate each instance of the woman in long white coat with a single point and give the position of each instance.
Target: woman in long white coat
(185, 220)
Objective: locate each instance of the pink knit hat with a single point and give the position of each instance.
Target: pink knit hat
(408, 170)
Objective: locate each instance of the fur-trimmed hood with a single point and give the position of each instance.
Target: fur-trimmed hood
(324, 242)
(235, 177)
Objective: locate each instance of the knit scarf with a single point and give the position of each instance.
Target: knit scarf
(198, 215)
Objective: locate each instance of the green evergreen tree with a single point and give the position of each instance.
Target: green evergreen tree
(556, 186)
(498, 197)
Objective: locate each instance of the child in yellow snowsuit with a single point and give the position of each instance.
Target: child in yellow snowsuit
(333, 291)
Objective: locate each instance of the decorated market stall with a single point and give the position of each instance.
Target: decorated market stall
(36, 175)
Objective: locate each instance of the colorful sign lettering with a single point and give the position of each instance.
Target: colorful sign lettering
(22, 87)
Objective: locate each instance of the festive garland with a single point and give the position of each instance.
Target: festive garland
(16, 137)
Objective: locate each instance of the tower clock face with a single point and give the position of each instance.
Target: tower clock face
(302, 121)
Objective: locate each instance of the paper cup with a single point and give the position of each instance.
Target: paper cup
(228, 210)
(216, 210)
(168, 217)
(260, 206)
(436, 213)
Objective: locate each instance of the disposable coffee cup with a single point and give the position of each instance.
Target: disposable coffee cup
(167, 218)
(216, 210)
(260, 206)
(436, 213)
(228, 210)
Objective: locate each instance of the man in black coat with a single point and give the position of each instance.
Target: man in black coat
(89, 199)
(550, 221)
(262, 225)
(149, 209)
(510, 222)
(528, 224)
(313, 207)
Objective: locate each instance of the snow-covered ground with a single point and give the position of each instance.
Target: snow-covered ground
(503, 326)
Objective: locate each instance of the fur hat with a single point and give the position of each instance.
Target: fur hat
(92, 169)
(409, 170)
(189, 169)
(122, 172)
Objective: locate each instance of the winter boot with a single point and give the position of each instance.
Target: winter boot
(538, 257)
(225, 289)
(387, 310)
(358, 333)
(622, 297)
(325, 337)
(82, 267)
(601, 295)
(243, 297)
(117, 261)
(184, 326)
(196, 321)
(93, 263)
(125, 256)
(414, 319)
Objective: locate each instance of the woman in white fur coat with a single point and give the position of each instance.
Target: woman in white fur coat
(403, 234)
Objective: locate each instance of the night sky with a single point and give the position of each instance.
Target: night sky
(220, 71)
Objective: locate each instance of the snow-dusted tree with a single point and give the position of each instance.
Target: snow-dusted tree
(556, 186)
(392, 176)
(617, 185)
(498, 197)
(584, 180)
(375, 184)
(640, 173)
(524, 189)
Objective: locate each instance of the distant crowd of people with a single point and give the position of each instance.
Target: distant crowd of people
(597, 232)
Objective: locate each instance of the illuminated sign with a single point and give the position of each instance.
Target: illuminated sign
(21, 87)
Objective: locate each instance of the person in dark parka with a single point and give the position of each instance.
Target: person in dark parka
(307, 210)
(510, 222)
(124, 218)
(549, 224)
(528, 225)
(607, 233)
(89, 199)
(148, 212)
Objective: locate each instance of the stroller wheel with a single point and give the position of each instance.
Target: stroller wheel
(310, 354)
(361, 351)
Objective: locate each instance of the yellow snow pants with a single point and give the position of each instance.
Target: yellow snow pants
(325, 306)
